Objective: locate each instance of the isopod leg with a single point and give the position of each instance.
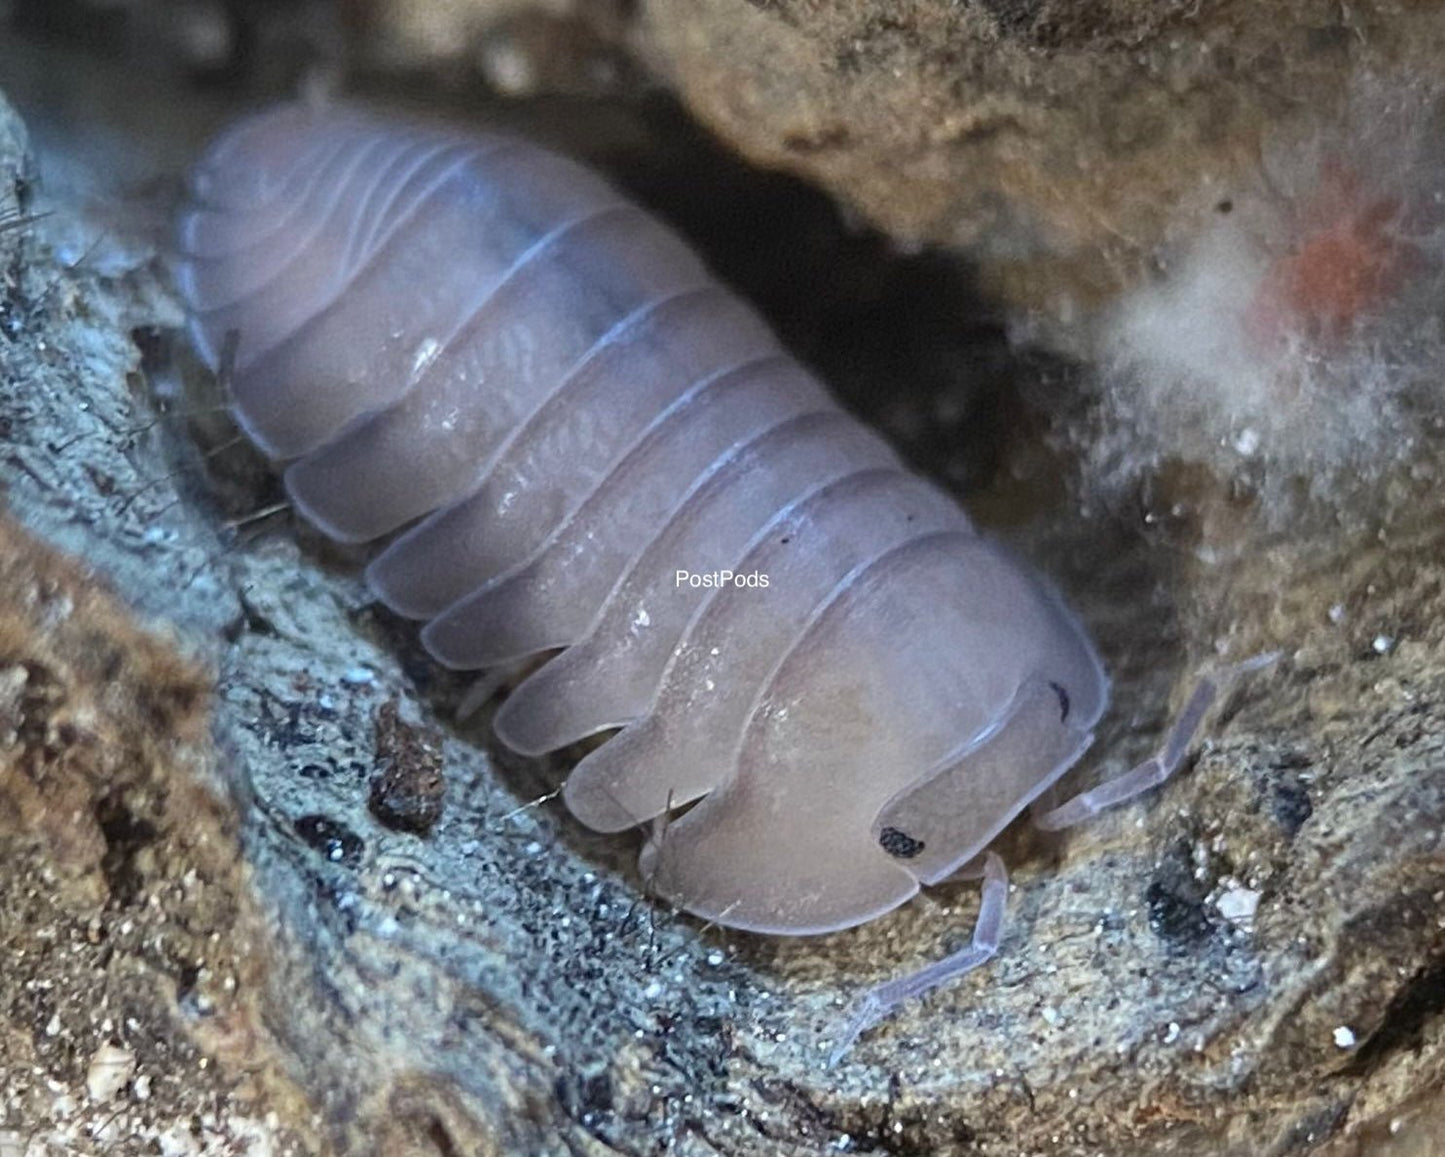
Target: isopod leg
(1159, 766)
(488, 682)
(881, 1001)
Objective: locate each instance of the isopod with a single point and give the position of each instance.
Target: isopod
(534, 391)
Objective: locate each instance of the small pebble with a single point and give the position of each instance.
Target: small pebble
(110, 1069)
(1238, 905)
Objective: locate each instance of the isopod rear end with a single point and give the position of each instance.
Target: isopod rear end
(918, 708)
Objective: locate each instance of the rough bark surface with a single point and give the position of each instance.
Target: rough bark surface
(1054, 137)
(1249, 962)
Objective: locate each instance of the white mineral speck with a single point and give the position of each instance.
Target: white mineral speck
(359, 677)
(110, 1069)
(1344, 1037)
(1383, 644)
(1246, 442)
(1238, 905)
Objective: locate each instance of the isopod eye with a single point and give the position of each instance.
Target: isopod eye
(1063, 701)
(899, 845)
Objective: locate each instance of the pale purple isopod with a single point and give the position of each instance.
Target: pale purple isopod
(483, 349)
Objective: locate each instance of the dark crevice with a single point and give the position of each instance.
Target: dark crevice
(441, 1139)
(1403, 1025)
(125, 835)
(1177, 912)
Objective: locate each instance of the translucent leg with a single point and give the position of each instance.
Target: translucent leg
(488, 683)
(1159, 766)
(879, 1002)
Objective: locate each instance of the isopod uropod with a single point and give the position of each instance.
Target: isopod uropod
(481, 350)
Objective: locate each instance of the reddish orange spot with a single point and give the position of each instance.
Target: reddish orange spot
(1347, 264)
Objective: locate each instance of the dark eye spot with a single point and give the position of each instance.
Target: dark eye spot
(1063, 701)
(1225, 206)
(898, 844)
